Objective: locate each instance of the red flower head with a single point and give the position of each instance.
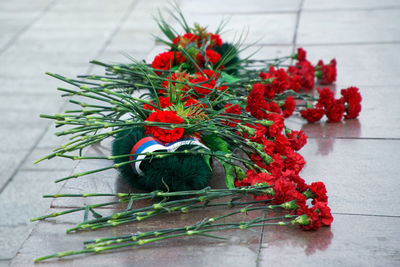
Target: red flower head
(336, 111)
(313, 216)
(211, 56)
(324, 213)
(353, 99)
(297, 139)
(301, 54)
(194, 102)
(276, 128)
(319, 191)
(164, 103)
(305, 70)
(165, 135)
(288, 107)
(285, 191)
(326, 74)
(326, 97)
(313, 114)
(167, 60)
(256, 101)
(185, 40)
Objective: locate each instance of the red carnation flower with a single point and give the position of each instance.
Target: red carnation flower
(305, 70)
(324, 213)
(312, 114)
(288, 107)
(326, 74)
(164, 103)
(167, 60)
(315, 222)
(276, 128)
(211, 56)
(256, 102)
(326, 97)
(165, 135)
(185, 39)
(353, 99)
(194, 102)
(319, 191)
(301, 54)
(336, 111)
(297, 139)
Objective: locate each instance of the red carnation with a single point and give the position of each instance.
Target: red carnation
(305, 70)
(165, 135)
(256, 102)
(185, 39)
(211, 56)
(312, 114)
(276, 128)
(288, 107)
(313, 216)
(164, 103)
(319, 191)
(326, 74)
(297, 139)
(167, 60)
(324, 213)
(353, 99)
(326, 97)
(194, 102)
(301, 54)
(336, 111)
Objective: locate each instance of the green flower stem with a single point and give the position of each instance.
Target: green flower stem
(196, 229)
(55, 214)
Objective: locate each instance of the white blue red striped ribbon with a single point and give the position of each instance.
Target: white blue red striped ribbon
(151, 144)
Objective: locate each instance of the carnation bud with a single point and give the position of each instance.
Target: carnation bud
(240, 174)
(290, 205)
(265, 157)
(265, 122)
(247, 130)
(302, 220)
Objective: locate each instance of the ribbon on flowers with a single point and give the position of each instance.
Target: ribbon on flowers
(151, 144)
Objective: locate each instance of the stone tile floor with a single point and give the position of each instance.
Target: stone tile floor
(358, 159)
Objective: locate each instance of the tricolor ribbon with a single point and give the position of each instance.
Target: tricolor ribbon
(151, 144)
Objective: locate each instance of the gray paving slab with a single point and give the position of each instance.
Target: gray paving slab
(22, 198)
(335, 27)
(236, 6)
(11, 238)
(361, 175)
(351, 241)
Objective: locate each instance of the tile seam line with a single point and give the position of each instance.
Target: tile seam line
(351, 9)
(366, 215)
(296, 29)
(260, 244)
(27, 27)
